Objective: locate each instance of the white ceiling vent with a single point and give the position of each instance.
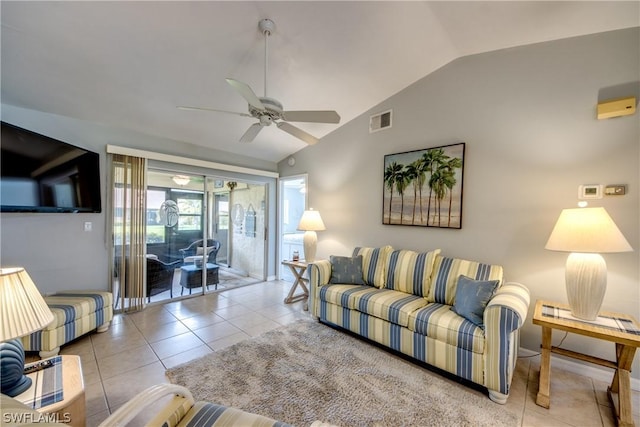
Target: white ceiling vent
(380, 121)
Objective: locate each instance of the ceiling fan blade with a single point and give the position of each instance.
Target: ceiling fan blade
(182, 107)
(251, 133)
(297, 132)
(311, 116)
(247, 93)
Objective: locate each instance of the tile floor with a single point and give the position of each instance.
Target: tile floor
(134, 353)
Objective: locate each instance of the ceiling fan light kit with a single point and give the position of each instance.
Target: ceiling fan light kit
(269, 110)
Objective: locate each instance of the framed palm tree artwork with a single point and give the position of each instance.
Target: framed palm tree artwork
(424, 187)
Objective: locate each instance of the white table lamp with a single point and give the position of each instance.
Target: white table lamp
(22, 311)
(310, 223)
(586, 232)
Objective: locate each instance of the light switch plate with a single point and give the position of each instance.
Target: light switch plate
(615, 190)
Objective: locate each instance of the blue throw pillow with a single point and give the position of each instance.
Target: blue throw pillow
(346, 270)
(472, 296)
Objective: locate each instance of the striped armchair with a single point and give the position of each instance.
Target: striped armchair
(406, 305)
(183, 411)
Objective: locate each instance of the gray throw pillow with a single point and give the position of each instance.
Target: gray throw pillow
(472, 297)
(346, 270)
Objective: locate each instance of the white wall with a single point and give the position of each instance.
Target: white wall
(54, 248)
(527, 115)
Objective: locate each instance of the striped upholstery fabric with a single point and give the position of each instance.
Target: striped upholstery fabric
(15, 413)
(319, 275)
(410, 271)
(386, 304)
(504, 316)
(432, 332)
(374, 264)
(439, 322)
(204, 414)
(446, 272)
(75, 313)
(441, 354)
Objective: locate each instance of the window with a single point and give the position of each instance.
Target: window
(155, 229)
(190, 207)
(223, 215)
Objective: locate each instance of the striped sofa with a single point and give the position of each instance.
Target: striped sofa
(406, 305)
(75, 314)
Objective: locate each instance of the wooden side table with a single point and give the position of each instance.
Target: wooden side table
(621, 329)
(298, 268)
(71, 409)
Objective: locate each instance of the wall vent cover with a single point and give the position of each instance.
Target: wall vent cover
(380, 121)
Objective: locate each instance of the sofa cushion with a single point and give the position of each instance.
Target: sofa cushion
(346, 270)
(67, 306)
(446, 272)
(410, 272)
(374, 264)
(385, 304)
(207, 414)
(472, 296)
(439, 322)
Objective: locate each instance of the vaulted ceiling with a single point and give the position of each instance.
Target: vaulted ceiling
(129, 64)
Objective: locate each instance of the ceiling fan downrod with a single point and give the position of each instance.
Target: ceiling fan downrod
(266, 27)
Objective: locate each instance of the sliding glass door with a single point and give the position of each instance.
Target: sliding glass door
(209, 231)
(239, 219)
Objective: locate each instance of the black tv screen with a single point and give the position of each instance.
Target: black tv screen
(42, 174)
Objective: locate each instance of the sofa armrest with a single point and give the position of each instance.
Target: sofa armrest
(319, 275)
(504, 316)
(123, 415)
(514, 297)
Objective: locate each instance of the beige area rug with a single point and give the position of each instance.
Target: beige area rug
(307, 371)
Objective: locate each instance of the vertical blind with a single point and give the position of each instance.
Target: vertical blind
(127, 221)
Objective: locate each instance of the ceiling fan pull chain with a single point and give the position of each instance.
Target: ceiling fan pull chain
(266, 60)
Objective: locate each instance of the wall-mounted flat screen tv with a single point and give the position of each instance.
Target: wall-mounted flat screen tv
(42, 174)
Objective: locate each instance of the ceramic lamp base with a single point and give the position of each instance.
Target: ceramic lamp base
(586, 281)
(310, 242)
(13, 380)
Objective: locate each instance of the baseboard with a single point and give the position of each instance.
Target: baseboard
(575, 366)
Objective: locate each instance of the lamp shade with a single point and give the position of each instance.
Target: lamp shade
(311, 221)
(22, 308)
(587, 230)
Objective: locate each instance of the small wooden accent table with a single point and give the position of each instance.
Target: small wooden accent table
(298, 268)
(621, 329)
(71, 409)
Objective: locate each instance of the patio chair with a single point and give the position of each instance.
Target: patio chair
(195, 250)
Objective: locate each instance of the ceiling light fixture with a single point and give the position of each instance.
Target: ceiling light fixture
(181, 180)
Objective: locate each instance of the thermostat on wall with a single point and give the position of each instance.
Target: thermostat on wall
(590, 191)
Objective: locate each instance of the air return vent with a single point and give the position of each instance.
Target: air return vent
(380, 121)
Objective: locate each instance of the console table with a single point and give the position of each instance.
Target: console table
(621, 329)
(298, 268)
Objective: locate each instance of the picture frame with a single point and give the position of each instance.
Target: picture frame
(424, 187)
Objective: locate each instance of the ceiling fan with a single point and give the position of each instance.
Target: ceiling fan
(269, 110)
